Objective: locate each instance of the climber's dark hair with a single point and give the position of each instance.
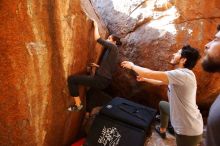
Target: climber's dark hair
(192, 56)
(117, 39)
(218, 27)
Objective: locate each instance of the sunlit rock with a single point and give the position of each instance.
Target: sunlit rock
(42, 42)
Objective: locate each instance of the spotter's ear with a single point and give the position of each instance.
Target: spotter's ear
(183, 60)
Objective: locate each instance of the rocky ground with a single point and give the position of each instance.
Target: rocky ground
(156, 140)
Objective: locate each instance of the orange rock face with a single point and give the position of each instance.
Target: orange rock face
(42, 42)
(151, 32)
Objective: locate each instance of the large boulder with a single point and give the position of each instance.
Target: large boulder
(151, 31)
(42, 43)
